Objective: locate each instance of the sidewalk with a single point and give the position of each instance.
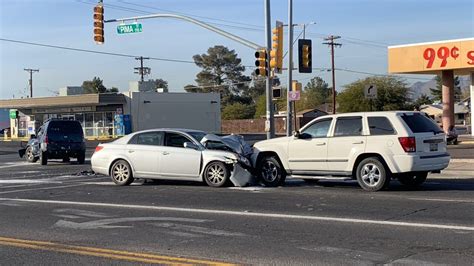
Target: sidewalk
(466, 139)
(457, 169)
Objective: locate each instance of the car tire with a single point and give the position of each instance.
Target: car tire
(216, 174)
(43, 158)
(30, 157)
(121, 173)
(413, 180)
(271, 172)
(81, 158)
(372, 175)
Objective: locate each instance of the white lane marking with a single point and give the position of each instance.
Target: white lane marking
(444, 200)
(107, 223)
(196, 229)
(28, 181)
(9, 165)
(250, 214)
(82, 213)
(40, 188)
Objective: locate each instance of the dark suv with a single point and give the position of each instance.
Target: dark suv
(56, 139)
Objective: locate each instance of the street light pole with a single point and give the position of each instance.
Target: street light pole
(289, 125)
(270, 125)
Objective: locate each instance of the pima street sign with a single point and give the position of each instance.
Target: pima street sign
(370, 92)
(129, 28)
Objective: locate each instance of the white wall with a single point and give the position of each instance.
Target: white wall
(199, 111)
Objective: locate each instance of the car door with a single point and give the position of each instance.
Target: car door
(348, 140)
(178, 162)
(144, 151)
(307, 153)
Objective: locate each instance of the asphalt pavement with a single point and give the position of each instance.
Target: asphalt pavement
(62, 213)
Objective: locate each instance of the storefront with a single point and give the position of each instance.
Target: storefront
(101, 115)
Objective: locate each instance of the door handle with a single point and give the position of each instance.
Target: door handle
(166, 153)
(131, 151)
(320, 143)
(358, 142)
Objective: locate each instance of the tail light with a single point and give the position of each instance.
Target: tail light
(98, 148)
(46, 139)
(408, 144)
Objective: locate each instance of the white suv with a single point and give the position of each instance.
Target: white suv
(371, 147)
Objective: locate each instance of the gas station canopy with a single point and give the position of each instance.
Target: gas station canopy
(432, 57)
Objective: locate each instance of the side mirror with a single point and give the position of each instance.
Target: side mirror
(190, 145)
(32, 136)
(296, 134)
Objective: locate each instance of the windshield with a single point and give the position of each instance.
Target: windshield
(419, 123)
(197, 135)
(69, 131)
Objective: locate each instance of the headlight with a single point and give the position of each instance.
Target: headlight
(230, 160)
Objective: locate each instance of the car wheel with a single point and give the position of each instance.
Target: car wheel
(81, 158)
(43, 158)
(121, 173)
(216, 174)
(372, 175)
(271, 173)
(413, 180)
(30, 157)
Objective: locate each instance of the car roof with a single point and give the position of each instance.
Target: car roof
(370, 113)
(182, 130)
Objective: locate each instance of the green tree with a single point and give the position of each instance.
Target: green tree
(222, 71)
(113, 89)
(422, 100)
(160, 83)
(437, 93)
(391, 95)
(315, 93)
(238, 111)
(94, 86)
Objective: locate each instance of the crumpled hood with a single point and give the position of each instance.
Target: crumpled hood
(235, 142)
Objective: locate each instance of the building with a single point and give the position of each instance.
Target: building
(110, 115)
(461, 112)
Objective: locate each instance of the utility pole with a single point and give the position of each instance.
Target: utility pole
(142, 71)
(289, 116)
(30, 81)
(270, 122)
(331, 43)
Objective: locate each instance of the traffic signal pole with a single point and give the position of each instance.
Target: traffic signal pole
(289, 112)
(269, 123)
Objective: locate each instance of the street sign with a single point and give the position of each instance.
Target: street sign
(129, 28)
(370, 92)
(294, 95)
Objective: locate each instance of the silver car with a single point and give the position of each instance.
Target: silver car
(174, 154)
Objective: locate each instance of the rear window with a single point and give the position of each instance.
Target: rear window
(380, 126)
(65, 131)
(419, 123)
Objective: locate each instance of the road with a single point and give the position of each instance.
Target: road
(52, 215)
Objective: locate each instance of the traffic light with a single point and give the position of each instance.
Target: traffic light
(261, 62)
(276, 55)
(296, 86)
(304, 56)
(99, 23)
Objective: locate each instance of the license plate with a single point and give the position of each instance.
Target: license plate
(433, 146)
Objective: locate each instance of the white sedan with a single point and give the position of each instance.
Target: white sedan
(173, 154)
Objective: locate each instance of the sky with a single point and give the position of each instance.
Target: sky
(366, 28)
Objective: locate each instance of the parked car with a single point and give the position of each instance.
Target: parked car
(371, 147)
(56, 139)
(175, 154)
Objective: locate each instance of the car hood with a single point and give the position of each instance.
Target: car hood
(234, 143)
